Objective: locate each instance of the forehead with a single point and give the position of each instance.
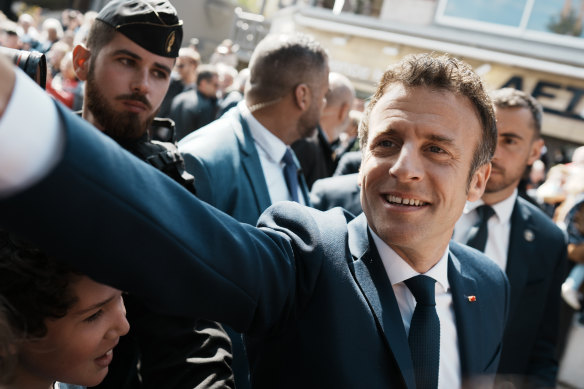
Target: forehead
(423, 108)
(514, 119)
(121, 42)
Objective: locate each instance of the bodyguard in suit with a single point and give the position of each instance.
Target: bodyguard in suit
(238, 159)
(241, 160)
(524, 242)
(381, 301)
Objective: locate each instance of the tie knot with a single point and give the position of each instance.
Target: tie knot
(485, 212)
(288, 158)
(422, 287)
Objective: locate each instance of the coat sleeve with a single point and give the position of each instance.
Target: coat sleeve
(127, 225)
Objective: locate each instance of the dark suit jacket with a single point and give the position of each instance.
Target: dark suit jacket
(307, 287)
(190, 111)
(349, 163)
(229, 175)
(536, 268)
(227, 168)
(338, 191)
(316, 156)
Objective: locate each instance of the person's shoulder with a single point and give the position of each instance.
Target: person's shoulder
(349, 163)
(185, 96)
(345, 181)
(302, 220)
(540, 219)
(477, 263)
(217, 135)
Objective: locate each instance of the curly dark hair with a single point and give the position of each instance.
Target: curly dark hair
(33, 285)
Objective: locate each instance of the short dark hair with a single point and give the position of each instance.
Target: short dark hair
(206, 72)
(99, 35)
(282, 61)
(441, 73)
(514, 98)
(34, 286)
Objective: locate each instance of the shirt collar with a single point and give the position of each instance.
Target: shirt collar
(503, 209)
(399, 270)
(271, 145)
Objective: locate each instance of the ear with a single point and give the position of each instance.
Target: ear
(344, 112)
(302, 96)
(478, 182)
(535, 152)
(81, 57)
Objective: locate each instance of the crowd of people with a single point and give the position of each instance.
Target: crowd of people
(205, 225)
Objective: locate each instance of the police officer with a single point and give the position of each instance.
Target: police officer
(126, 65)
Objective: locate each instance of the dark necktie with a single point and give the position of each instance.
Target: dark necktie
(291, 174)
(424, 337)
(478, 234)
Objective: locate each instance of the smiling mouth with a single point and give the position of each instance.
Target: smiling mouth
(402, 201)
(105, 359)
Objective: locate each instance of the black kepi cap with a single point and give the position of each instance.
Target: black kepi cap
(152, 24)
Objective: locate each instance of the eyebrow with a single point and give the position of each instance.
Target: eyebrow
(511, 135)
(136, 56)
(95, 306)
(441, 139)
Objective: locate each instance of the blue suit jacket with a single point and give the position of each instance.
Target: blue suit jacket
(536, 268)
(307, 287)
(228, 173)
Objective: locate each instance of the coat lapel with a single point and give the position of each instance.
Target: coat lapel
(521, 246)
(466, 303)
(375, 285)
(251, 164)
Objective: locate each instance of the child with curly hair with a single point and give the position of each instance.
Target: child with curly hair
(61, 326)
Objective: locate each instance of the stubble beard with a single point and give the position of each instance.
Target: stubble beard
(121, 126)
(307, 124)
(498, 184)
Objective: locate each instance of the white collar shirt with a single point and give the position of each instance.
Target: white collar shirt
(499, 225)
(449, 374)
(271, 150)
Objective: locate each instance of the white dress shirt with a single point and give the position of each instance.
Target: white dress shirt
(499, 225)
(30, 138)
(271, 151)
(449, 373)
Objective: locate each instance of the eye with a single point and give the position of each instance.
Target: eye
(126, 61)
(93, 317)
(160, 74)
(386, 143)
(509, 141)
(436, 149)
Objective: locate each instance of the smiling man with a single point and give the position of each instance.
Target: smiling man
(524, 242)
(384, 300)
(131, 48)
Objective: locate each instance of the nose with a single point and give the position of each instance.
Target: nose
(119, 325)
(408, 165)
(140, 82)
(497, 155)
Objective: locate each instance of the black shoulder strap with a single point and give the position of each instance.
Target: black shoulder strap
(165, 157)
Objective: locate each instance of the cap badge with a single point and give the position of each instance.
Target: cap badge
(170, 41)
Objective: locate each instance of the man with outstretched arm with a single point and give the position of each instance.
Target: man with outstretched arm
(383, 300)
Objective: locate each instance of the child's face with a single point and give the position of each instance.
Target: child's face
(77, 348)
